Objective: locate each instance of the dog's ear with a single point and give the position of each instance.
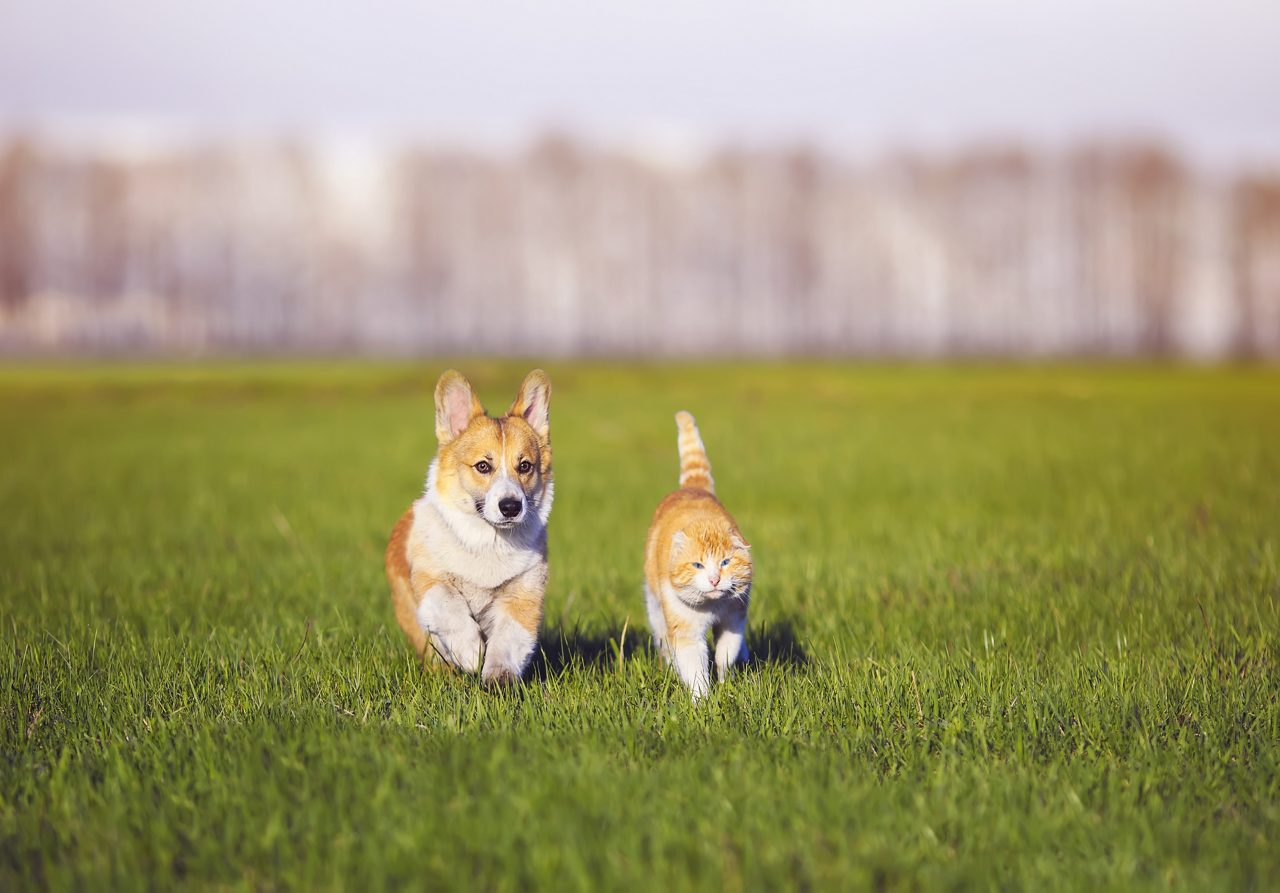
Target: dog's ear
(456, 405)
(533, 402)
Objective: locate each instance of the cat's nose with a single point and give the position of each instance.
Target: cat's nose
(510, 507)
(714, 581)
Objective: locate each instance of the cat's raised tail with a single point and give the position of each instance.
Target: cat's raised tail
(695, 467)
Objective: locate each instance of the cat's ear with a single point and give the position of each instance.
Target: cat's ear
(678, 541)
(456, 405)
(739, 543)
(533, 402)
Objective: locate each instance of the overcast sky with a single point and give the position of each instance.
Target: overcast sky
(864, 77)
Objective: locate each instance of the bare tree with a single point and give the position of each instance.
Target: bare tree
(1256, 240)
(17, 179)
(1154, 184)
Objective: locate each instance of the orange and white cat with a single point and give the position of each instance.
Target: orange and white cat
(697, 569)
(467, 563)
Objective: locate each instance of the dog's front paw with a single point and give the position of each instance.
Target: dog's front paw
(507, 654)
(463, 650)
(499, 676)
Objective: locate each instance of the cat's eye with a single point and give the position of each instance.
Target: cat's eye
(725, 563)
(698, 565)
(525, 467)
(483, 467)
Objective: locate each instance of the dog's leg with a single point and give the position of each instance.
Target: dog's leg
(444, 615)
(511, 628)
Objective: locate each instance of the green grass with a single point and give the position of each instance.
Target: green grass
(1015, 628)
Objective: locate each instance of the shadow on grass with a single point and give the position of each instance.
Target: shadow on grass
(562, 648)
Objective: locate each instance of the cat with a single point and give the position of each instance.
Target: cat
(697, 568)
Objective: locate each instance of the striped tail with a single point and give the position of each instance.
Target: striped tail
(695, 467)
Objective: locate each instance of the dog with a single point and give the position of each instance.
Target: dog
(467, 563)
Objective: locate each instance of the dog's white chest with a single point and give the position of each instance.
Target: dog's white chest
(483, 561)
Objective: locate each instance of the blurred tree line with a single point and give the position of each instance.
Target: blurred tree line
(566, 249)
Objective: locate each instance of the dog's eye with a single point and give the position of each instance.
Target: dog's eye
(698, 565)
(483, 467)
(725, 563)
(525, 467)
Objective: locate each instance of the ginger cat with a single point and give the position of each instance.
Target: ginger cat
(697, 569)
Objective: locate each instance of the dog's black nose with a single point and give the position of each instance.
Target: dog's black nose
(510, 507)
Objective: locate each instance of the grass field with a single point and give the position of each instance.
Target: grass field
(1014, 628)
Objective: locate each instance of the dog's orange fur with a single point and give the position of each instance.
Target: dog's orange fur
(398, 571)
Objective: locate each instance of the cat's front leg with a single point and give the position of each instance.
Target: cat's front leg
(692, 663)
(731, 641)
(687, 640)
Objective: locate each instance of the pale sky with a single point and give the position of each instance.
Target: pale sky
(862, 77)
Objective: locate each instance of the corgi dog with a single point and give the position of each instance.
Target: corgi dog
(467, 563)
